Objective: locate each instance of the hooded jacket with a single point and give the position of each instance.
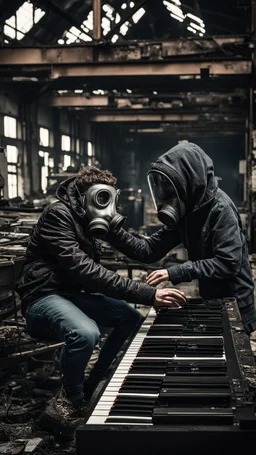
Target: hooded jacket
(63, 258)
(211, 231)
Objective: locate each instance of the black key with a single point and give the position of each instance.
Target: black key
(141, 366)
(196, 367)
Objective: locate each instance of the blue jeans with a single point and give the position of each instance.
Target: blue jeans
(74, 321)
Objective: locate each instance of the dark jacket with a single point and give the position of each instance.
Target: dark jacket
(211, 232)
(63, 258)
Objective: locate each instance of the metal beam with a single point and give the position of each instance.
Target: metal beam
(76, 101)
(226, 68)
(160, 51)
(97, 19)
(41, 56)
(143, 118)
(196, 119)
(194, 105)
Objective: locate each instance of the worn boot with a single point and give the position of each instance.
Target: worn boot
(61, 416)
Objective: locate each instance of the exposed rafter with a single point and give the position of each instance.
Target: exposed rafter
(65, 15)
(218, 47)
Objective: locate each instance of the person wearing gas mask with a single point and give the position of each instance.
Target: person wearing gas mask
(200, 215)
(66, 293)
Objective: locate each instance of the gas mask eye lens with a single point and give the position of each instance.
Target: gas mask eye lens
(103, 198)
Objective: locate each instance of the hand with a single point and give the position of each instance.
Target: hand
(157, 277)
(168, 297)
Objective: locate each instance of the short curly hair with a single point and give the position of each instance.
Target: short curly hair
(91, 175)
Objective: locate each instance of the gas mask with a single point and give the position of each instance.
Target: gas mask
(100, 202)
(165, 197)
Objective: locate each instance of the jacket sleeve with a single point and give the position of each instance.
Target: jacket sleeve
(227, 253)
(147, 250)
(58, 236)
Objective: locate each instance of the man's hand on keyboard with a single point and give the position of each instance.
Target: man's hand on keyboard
(172, 298)
(157, 276)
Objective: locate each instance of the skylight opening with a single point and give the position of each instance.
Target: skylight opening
(18, 25)
(98, 92)
(193, 23)
(197, 27)
(174, 10)
(118, 18)
(191, 29)
(114, 38)
(177, 17)
(195, 18)
(109, 17)
(109, 10)
(124, 28)
(138, 15)
(106, 25)
(89, 21)
(74, 35)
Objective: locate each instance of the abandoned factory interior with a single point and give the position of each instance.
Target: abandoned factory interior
(127, 226)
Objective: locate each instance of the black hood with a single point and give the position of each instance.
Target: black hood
(192, 173)
(68, 194)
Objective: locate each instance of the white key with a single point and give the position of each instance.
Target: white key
(102, 409)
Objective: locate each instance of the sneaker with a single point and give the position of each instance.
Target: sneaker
(61, 416)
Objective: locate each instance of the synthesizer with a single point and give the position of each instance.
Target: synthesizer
(185, 382)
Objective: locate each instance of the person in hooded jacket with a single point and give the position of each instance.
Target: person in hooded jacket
(66, 293)
(200, 215)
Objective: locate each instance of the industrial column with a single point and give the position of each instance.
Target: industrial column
(97, 19)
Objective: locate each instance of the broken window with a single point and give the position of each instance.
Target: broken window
(77, 146)
(74, 35)
(65, 143)
(24, 19)
(109, 19)
(12, 162)
(193, 23)
(44, 137)
(48, 164)
(10, 127)
(67, 162)
(90, 153)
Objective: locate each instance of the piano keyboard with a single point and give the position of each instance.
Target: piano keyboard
(174, 370)
(186, 382)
